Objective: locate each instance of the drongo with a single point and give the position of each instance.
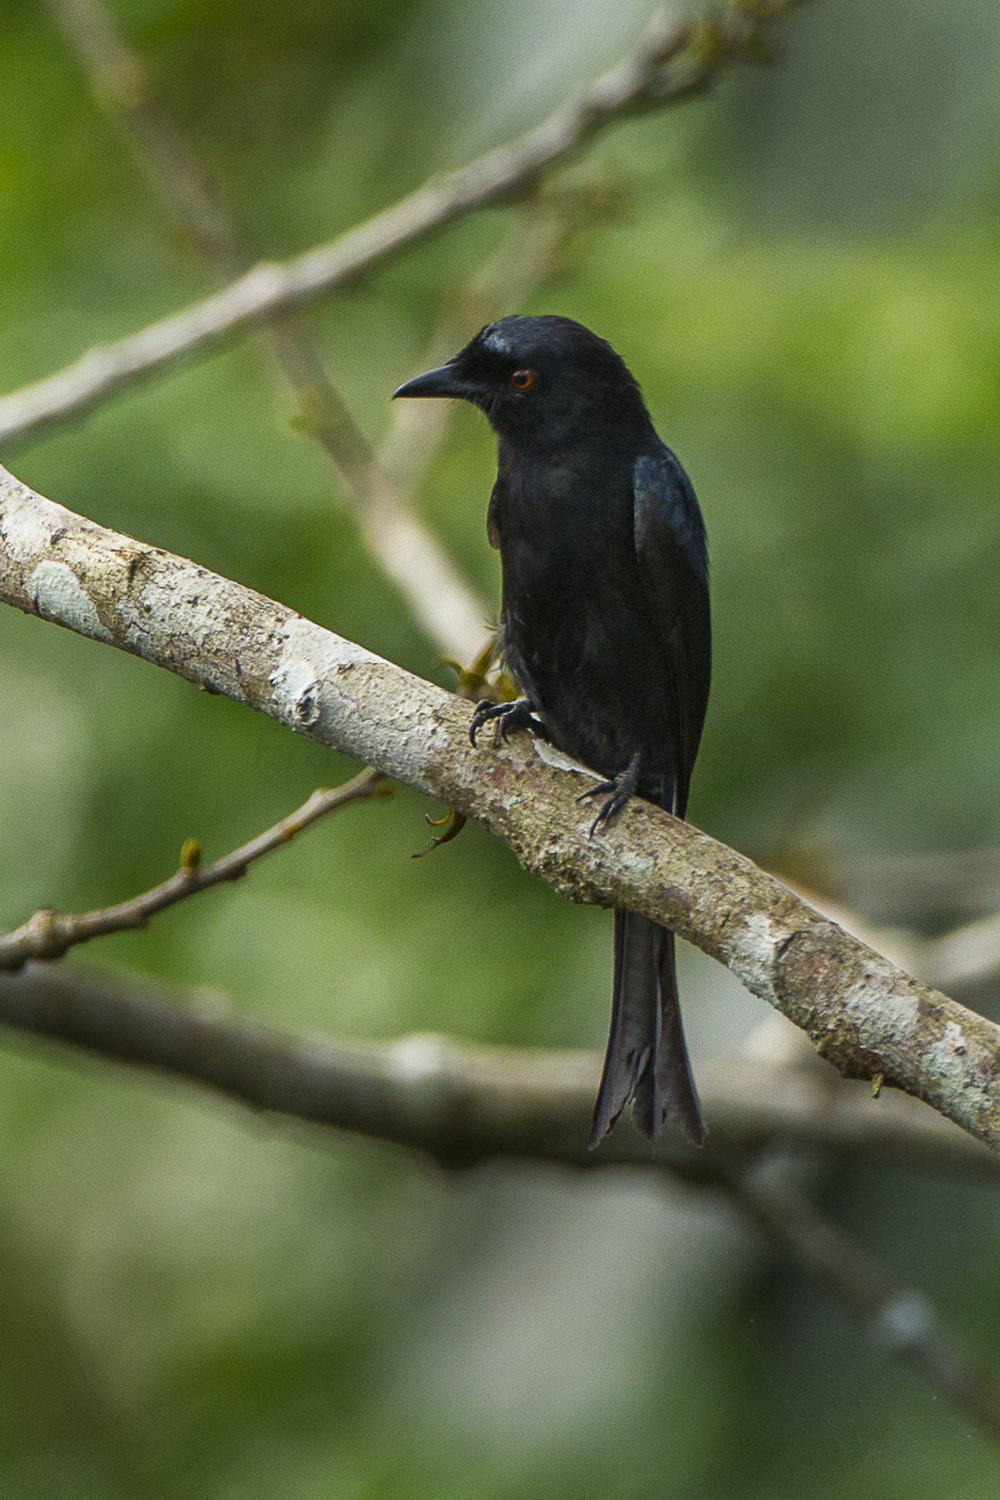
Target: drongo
(604, 624)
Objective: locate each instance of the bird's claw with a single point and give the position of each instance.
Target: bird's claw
(618, 789)
(507, 717)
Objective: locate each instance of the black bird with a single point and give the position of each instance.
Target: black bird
(605, 626)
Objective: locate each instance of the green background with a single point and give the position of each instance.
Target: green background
(802, 270)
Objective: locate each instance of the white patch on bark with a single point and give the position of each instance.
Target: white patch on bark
(755, 953)
(954, 1037)
(27, 522)
(866, 1002)
(55, 591)
(946, 1061)
(310, 660)
(562, 762)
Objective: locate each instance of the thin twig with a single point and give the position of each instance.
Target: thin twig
(678, 60)
(50, 934)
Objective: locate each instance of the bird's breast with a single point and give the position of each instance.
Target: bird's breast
(575, 622)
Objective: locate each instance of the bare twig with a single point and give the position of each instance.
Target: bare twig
(124, 88)
(440, 598)
(678, 59)
(50, 934)
(466, 1105)
(898, 1320)
(863, 1014)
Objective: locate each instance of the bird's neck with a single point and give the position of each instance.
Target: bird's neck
(579, 441)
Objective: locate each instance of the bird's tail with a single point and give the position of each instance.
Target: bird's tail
(646, 1061)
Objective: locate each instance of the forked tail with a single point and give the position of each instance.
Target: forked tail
(646, 1062)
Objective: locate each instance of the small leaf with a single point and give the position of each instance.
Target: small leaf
(708, 43)
(453, 822)
(190, 856)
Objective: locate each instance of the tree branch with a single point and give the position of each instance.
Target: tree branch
(768, 1096)
(50, 934)
(461, 1103)
(677, 60)
(863, 1014)
(958, 958)
(467, 1105)
(896, 1319)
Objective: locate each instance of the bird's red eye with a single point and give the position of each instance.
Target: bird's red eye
(522, 380)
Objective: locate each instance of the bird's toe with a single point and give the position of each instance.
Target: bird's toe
(508, 717)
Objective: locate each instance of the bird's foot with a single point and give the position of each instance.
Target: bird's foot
(507, 717)
(618, 789)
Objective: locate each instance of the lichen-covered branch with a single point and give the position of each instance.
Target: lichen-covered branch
(863, 1013)
(960, 958)
(50, 934)
(677, 59)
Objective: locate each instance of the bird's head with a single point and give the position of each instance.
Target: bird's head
(545, 377)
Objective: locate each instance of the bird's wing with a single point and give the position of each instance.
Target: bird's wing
(493, 518)
(673, 566)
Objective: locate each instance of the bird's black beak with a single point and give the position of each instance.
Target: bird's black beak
(446, 380)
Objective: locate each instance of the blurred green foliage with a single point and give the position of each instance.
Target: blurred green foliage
(804, 275)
